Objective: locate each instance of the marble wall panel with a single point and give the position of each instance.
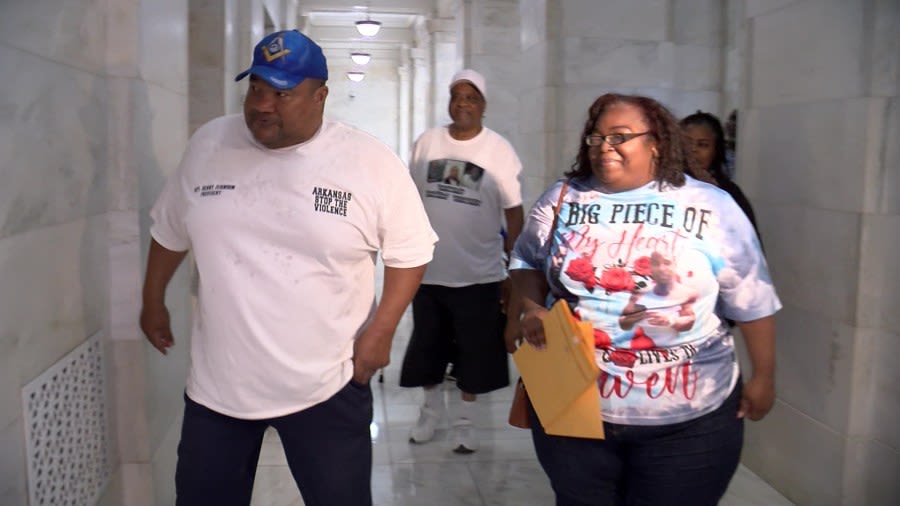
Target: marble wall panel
(539, 63)
(70, 33)
(160, 136)
(876, 381)
(54, 125)
(888, 181)
(698, 22)
(808, 151)
(13, 475)
(537, 111)
(125, 282)
(879, 275)
(503, 14)
(495, 41)
(10, 382)
(532, 151)
(813, 256)
(732, 86)
(884, 69)
(755, 8)
(697, 68)
(734, 21)
(807, 51)
(635, 20)
(534, 23)
(165, 460)
(871, 473)
(207, 96)
(64, 270)
(126, 362)
(797, 455)
(165, 375)
(815, 357)
(750, 154)
(618, 62)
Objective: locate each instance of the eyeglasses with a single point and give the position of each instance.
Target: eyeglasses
(611, 139)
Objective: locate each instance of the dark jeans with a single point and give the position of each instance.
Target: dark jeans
(687, 463)
(328, 449)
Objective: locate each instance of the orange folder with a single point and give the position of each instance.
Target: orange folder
(561, 378)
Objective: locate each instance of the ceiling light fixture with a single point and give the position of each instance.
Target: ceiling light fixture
(360, 58)
(356, 76)
(367, 27)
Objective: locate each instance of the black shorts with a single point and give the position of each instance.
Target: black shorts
(462, 326)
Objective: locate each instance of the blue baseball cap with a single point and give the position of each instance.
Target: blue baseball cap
(284, 59)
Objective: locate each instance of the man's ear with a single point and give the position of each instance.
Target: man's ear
(321, 93)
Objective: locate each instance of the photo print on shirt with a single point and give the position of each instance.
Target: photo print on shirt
(454, 179)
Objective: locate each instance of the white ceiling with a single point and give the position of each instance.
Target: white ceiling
(332, 24)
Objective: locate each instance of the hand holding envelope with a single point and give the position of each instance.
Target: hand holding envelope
(561, 378)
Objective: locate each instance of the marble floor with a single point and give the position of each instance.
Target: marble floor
(504, 471)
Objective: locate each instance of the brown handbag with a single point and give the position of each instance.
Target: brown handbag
(518, 412)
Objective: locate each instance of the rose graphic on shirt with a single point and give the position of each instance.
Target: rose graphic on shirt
(641, 341)
(581, 269)
(602, 339)
(641, 267)
(616, 279)
(623, 358)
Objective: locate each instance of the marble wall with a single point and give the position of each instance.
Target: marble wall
(372, 105)
(817, 83)
(819, 159)
(93, 117)
(575, 50)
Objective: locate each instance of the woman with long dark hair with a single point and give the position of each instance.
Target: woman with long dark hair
(705, 142)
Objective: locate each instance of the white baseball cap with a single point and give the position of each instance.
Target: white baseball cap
(471, 77)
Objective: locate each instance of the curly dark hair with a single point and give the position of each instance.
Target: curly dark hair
(664, 129)
(710, 121)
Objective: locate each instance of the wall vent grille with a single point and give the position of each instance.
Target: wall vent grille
(66, 436)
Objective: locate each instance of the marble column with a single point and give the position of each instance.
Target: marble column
(444, 65)
(421, 96)
(403, 116)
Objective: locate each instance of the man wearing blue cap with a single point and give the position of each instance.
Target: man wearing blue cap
(285, 214)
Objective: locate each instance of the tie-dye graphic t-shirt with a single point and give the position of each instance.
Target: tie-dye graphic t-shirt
(652, 269)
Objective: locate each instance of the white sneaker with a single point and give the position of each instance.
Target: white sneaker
(423, 431)
(464, 440)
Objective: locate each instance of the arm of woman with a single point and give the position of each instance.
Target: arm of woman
(759, 392)
(531, 288)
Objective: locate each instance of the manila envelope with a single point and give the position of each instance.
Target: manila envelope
(561, 377)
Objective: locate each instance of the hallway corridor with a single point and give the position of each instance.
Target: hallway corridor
(504, 471)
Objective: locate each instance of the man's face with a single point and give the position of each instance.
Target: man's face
(662, 269)
(282, 118)
(466, 106)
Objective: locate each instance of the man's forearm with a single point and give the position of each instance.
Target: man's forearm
(515, 218)
(399, 288)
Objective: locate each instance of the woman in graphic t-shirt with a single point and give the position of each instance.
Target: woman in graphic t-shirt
(644, 252)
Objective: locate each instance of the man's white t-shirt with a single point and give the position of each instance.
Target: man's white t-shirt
(468, 215)
(285, 243)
